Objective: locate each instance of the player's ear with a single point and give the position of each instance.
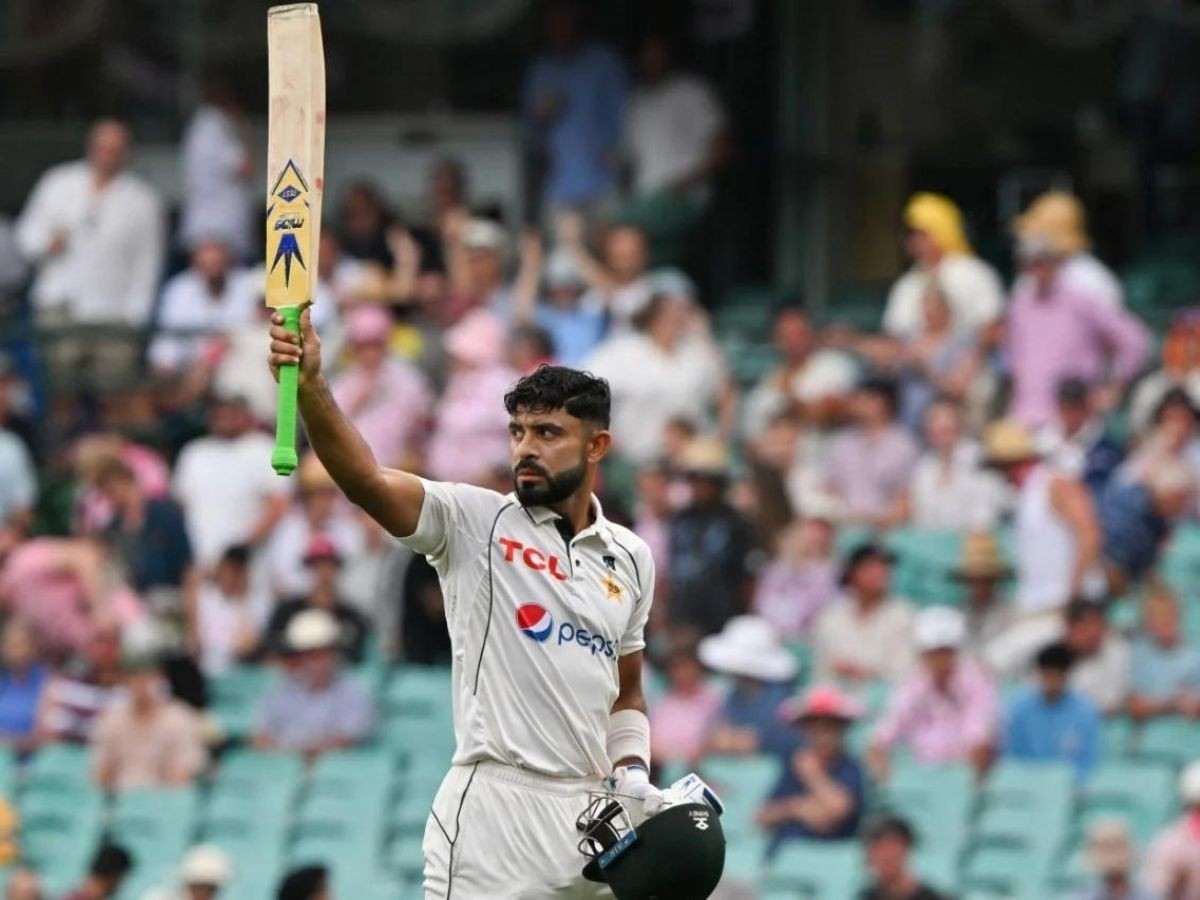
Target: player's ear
(598, 444)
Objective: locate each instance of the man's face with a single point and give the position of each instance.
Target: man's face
(871, 408)
(626, 252)
(201, 892)
(941, 427)
(825, 736)
(211, 260)
(104, 649)
(228, 420)
(485, 267)
(1086, 634)
(1073, 416)
(939, 663)
(872, 576)
(144, 686)
(325, 571)
(319, 503)
(231, 578)
(108, 148)
(887, 857)
(920, 247)
(1053, 682)
(550, 453)
(793, 335)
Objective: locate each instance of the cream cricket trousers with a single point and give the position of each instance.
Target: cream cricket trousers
(500, 832)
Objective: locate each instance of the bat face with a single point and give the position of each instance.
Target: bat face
(295, 152)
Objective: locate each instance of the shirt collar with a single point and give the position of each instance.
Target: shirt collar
(600, 527)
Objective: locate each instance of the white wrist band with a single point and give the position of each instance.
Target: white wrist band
(628, 736)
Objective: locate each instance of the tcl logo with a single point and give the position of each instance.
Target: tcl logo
(515, 551)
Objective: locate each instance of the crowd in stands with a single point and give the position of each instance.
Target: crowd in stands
(147, 550)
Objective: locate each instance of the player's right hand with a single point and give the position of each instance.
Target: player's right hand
(303, 349)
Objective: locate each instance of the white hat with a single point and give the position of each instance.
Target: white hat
(671, 282)
(939, 627)
(312, 629)
(205, 864)
(748, 646)
(1189, 783)
(484, 234)
(561, 270)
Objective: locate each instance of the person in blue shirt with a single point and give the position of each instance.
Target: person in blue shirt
(821, 791)
(1166, 668)
(22, 680)
(572, 103)
(1048, 722)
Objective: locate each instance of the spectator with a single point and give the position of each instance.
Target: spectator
(477, 253)
(866, 635)
(67, 589)
(937, 359)
(1060, 326)
(937, 243)
(711, 546)
(202, 306)
(949, 488)
(316, 708)
(945, 712)
(94, 231)
(675, 133)
(18, 479)
(620, 283)
(1166, 669)
(93, 511)
(203, 874)
(801, 580)
(1180, 369)
(982, 570)
(870, 463)
(24, 884)
(1110, 855)
(225, 483)
(652, 523)
(1052, 722)
(1057, 220)
(146, 739)
(1056, 542)
(148, 532)
(889, 842)
(681, 720)
(821, 791)
(470, 436)
(661, 370)
(22, 684)
(230, 615)
(574, 319)
(1172, 867)
(108, 870)
(572, 102)
(1076, 441)
(320, 512)
(1103, 660)
(82, 690)
(749, 720)
(305, 883)
(217, 167)
(323, 560)
(365, 220)
(447, 190)
(1149, 493)
(386, 398)
(815, 379)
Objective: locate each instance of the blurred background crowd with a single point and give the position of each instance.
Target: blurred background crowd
(916, 448)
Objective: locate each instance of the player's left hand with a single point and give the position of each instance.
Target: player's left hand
(634, 782)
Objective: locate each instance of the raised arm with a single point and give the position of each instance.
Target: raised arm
(391, 497)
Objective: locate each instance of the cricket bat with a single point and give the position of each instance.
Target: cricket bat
(295, 184)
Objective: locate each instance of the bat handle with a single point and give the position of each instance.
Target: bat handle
(283, 459)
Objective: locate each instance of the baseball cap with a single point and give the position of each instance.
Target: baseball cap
(939, 628)
(484, 234)
(205, 864)
(321, 548)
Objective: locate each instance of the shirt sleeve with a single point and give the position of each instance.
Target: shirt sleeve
(453, 517)
(894, 721)
(634, 638)
(35, 225)
(145, 264)
(1126, 338)
(979, 717)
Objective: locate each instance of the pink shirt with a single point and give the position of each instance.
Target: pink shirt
(388, 407)
(471, 435)
(868, 472)
(1175, 853)
(789, 595)
(93, 510)
(679, 725)
(940, 726)
(1066, 333)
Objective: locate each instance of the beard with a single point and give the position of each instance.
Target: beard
(552, 489)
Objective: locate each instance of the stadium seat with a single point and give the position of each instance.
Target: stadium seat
(1143, 794)
(1045, 787)
(234, 698)
(1008, 872)
(421, 692)
(1170, 739)
(255, 775)
(745, 854)
(818, 869)
(935, 800)
(742, 783)
(59, 767)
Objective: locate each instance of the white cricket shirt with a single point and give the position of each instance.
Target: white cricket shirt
(537, 625)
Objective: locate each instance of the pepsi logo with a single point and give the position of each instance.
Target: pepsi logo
(534, 621)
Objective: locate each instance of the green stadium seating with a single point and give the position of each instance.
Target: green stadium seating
(1045, 787)
(742, 783)
(745, 855)
(936, 801)
(1009, 872)
(1142, 794)
(59, 768)
(817, 869)
(421, 692)
(1172, 740)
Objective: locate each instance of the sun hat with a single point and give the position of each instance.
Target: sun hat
(704, 456)
(981, 559)
(205, 864)
(1054, 224)
(312, 629)
(939, 217)
(1007, 441)
(748, 646)
(939, 628)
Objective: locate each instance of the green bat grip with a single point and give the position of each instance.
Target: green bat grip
(283, 460)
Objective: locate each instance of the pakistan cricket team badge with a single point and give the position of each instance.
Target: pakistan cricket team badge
(611, 588)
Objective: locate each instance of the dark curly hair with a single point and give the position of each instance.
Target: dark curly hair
(581, 394)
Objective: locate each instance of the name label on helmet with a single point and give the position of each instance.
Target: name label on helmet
(606, 858)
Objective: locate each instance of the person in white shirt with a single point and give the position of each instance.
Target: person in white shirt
(230, 615)
(94, 233)
(546, 602)
(225, 483)
(202, 305)
(217, 167)
(937, 242)
(666, 368)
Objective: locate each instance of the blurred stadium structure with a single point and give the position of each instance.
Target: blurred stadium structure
(825, 118)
